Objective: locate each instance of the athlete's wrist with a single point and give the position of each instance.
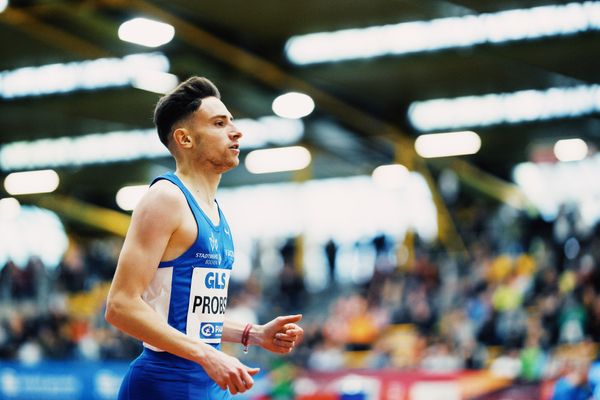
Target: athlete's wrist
(201, 353)
(256, 335)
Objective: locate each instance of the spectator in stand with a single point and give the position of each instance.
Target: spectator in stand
(573, 385)
(72, 271)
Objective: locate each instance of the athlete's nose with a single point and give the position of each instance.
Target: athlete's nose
(235, 133)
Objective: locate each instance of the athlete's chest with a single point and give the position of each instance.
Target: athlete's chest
(212, 245)
(214, 249)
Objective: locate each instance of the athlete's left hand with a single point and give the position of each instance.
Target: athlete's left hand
(281, 334)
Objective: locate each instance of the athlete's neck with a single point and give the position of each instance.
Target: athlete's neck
(202, 183)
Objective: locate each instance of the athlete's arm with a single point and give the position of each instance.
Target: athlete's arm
(279, 335)
(158, 215)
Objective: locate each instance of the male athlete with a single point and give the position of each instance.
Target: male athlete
(170, 286)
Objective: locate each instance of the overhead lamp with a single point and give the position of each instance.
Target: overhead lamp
(447, 144)
(444, 33)
(269, 130)
(146, 32)
(293, 105)
(81, 75)
(3, 5)
(570, 149)
(155, 81)
(496, 108)
(392, 176)
(97, 148)
(129, 196)
(277, 160)
(30, 182)
(9, 208)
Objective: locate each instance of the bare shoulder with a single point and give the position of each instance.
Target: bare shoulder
(163, 200)
(166, 191)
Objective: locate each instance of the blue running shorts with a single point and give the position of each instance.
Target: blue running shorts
(164, 376)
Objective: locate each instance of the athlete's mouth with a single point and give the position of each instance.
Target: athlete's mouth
(235, 146)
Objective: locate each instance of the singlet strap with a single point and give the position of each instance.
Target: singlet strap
(196, 209)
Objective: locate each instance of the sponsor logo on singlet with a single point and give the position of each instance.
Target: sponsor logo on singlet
(211, 330)
(208, 301)
(209, 258)
(214, 243)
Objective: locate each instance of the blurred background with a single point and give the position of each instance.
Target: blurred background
(418, 178)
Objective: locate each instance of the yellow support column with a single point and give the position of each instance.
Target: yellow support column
(447, 233)
(301, 176)
(403, 155)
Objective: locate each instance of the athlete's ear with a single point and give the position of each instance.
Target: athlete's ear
(182, 137)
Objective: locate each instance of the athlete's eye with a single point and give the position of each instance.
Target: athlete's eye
(220, 123)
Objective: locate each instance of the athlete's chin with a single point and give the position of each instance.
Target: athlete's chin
(234, 163)
(230, 165)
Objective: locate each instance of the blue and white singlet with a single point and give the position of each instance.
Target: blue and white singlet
(190, 293)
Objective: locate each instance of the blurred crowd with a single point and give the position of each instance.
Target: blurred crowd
(57, 314)
(522, 299)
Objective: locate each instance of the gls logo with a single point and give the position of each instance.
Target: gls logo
(211, 330)
(215, 280)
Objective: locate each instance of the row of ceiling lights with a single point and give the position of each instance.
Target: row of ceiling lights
(297, 105)
(454, 32)
(511, 25)
(116, 146)
(277, 160)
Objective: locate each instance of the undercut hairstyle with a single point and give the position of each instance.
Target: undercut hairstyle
(180, 103)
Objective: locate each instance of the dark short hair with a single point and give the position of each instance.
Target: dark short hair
(181, 102)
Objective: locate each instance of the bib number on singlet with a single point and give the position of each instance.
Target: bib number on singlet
(208, 301)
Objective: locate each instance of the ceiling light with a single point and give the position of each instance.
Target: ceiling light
(447, 144)
(391, 176)
(490, 109)
(443, 33)
(30, 182)
(146, 32)
(155, 81)
(9, 208)
(95, 148)
(293, 105)
(570, 150)
(277, 160)
(84, 75)
(3, 5)
(129, 196)
(269, 130)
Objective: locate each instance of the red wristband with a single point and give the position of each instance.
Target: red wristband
(246, 337)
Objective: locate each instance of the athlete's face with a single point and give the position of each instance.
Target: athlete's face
(216, 135)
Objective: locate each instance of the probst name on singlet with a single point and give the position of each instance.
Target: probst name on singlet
(209, 304)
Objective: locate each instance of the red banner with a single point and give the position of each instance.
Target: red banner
(397, 385)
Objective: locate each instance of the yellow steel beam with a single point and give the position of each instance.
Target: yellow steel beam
(104, 219)
(447, 232)
(491, 185)
(49, 34)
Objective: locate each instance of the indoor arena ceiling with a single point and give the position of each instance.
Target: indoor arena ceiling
(360, 120)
